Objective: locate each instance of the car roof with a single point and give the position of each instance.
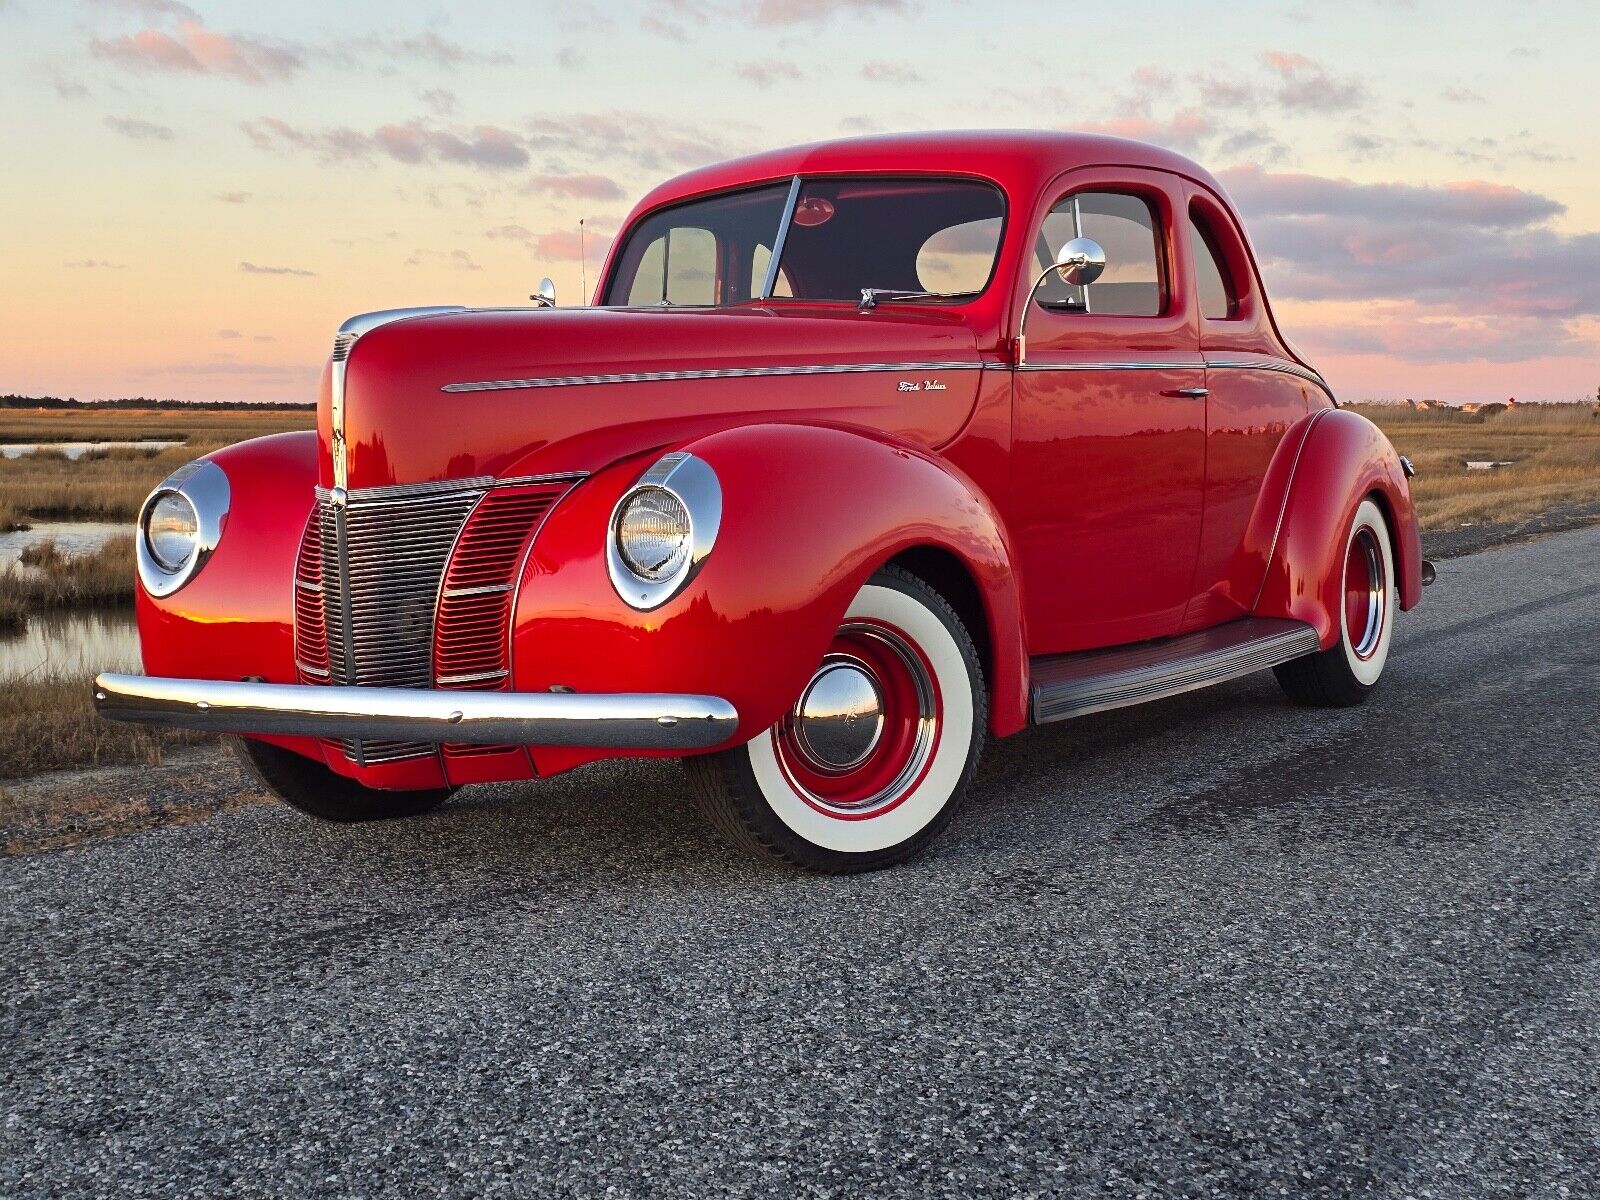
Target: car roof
(1019, 160)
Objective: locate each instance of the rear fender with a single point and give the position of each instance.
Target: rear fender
(809, 513)
(1345, 458)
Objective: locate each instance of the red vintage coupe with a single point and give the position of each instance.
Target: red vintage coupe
(868, 450)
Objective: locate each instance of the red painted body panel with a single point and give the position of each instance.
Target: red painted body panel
(800, 535)
(1345, 459)
(1086, 507)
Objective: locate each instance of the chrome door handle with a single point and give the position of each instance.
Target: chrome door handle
(1192, 392)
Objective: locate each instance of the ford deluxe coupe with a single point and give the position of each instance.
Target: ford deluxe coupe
(865, 452)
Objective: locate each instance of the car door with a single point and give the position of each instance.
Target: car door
(1109, 415)
(1253, 403)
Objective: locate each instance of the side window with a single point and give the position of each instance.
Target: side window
(1125, 226)
(1218, 298)
(679, 267)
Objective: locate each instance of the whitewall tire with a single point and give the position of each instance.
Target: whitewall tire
(1369, 598)
(877, 751)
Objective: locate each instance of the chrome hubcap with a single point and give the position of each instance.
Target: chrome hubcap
(839, 719)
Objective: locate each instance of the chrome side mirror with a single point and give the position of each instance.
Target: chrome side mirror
(1080, 262)
(545, 296)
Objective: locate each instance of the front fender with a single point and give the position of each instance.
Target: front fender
(1345, 458)
(809, 513)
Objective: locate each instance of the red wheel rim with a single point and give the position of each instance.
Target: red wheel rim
(1366, 593)
(866, 764)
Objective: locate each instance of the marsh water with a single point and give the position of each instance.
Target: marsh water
(71, 538)
(70, 644)
(76, 450)
(77, 643)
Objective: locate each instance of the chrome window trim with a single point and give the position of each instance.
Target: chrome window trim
(494, 385)
(781, 239)
(695, 485)
(205, 486)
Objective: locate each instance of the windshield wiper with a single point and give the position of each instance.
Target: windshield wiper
(870, 297)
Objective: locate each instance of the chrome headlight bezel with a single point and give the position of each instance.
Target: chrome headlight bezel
(691, 482)
(204, 485)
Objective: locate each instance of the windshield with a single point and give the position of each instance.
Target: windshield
(931, 238)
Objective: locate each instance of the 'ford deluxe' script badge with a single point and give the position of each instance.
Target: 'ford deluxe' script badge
(926, 385)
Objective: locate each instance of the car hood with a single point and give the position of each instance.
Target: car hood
(532, 391)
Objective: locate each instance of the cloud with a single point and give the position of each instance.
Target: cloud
(1469, 269)
(95, 264)
(515, 233)
(795, 12)
(440, 100)
(196, 50)
(250, 268)
(458, 259)
(235, 197)
(646, 140)
(767, 72)
(133, 127)
(68, 89)
(428, 48)
(486, 146)
(883, 72)
(1460, 95)
(568, 58)
(153, 9)
(1184, 131)
(1303, 83)
(229, 335)
(576, 187)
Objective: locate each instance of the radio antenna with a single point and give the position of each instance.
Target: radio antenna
(583, 264)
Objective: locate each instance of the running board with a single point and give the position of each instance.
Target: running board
(1071, 685)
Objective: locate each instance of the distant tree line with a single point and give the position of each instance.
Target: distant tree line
(14, 401)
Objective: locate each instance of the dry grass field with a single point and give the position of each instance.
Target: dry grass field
(110, 485)
(49, 723)
(1554, 450)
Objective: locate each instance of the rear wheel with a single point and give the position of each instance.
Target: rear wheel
(878, 750)
(319, 792)
(1346, 672)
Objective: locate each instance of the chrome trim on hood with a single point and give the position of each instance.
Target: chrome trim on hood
(496, 385)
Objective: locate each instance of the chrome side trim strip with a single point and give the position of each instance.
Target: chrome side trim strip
(618, 721)
(1129, 365)
(1278, 365)
(488, 589)
(496, 385)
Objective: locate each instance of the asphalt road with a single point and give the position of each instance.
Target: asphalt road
(1220, 946)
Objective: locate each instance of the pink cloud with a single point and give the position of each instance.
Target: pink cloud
(577, 187)
(196, 50)
(486, 146)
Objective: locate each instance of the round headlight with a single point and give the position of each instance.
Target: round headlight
(654, 534)
(172, 530)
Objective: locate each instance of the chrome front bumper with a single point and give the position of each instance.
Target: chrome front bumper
(619, 721)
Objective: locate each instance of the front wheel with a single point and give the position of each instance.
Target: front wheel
(1347, 671)
(318, 792)
(876, 753)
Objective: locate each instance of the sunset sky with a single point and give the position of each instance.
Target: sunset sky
(196, 196)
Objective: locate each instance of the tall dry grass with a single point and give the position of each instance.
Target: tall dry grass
(59, 581)
(49, 723)
(1554, 449)
(109, 485)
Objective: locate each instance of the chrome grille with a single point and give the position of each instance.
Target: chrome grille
(383, 556)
